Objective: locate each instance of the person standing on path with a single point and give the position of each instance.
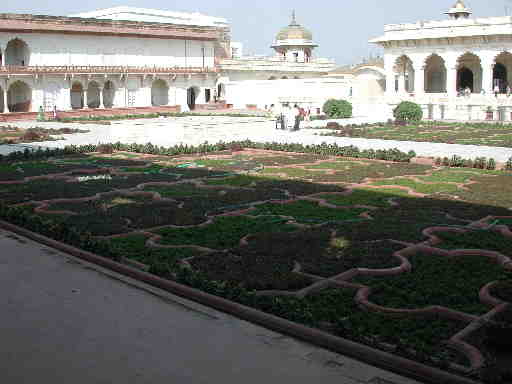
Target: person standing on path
(298, 117)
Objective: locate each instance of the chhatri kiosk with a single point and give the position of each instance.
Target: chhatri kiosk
(430, 62)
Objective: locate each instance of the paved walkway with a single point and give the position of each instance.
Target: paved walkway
(196, 130)
(66, 321)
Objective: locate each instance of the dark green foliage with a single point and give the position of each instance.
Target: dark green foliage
(225, 232)
(508, 165)
(476, 239)
(408, 111)
(436, 280)
(337, 109)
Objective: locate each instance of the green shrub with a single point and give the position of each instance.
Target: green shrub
(508, 165)
(408, 111)
(337, 109)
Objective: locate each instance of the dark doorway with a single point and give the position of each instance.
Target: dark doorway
(207, 95)
(191, 98)
(500, 76)
(465, 79)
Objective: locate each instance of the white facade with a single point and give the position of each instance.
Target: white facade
(72, 50)
(129, 65)
(433, 63)
(311, 93)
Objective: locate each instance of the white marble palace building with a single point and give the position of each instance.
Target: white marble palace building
(430, 62)
(119, 57)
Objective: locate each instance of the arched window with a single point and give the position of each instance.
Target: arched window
(19, 97)
(109, 92)
(435, 74)
(469, 73)
(93, 95)
(502, 73)
(77, 95)
(192, 94)
(17, 53)
(404, 72)
(159, 93)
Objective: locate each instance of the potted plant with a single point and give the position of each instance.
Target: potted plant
(489, 113)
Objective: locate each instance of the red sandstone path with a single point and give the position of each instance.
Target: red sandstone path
(67, 321)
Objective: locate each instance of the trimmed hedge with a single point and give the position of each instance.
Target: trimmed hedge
(321, 149)
(337, 109)
(408, 111)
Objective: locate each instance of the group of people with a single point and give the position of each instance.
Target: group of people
(497, 90)
(288, 117)
(466, 92)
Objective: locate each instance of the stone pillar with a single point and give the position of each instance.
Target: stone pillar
(389, 63)
(124, 82)
(419, 80)
(4, 95)
(85, 98)
(101, 106)
(487, 71)
(67, 93)
(390, 83)
(451, 80)
(401, 83)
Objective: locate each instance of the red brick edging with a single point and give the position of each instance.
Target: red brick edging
(361, 352)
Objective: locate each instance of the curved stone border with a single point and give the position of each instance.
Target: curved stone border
(475, 356)
(368, 355)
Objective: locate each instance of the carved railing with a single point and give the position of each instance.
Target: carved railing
(89, 69)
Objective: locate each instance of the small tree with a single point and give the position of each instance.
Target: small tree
(408, 111)
(337, 109)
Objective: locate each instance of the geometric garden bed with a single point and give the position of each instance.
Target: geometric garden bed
(412, 260)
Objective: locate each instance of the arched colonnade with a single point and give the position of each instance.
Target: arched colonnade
(439, 73)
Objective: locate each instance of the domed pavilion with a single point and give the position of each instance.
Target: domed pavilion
(294, 43)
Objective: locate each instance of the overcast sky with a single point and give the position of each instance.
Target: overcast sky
(341, 28)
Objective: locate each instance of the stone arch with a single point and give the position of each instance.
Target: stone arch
(272, 78)
(159, 93)
(284, 78)
(109, 93)
(435, 74)
(404, 70)
(371, 81)
(502, 71)
(296, 77)
(77, 95)
(17, 53)
(192, 95)
(19, 97)
(93, 95)
(469, 72)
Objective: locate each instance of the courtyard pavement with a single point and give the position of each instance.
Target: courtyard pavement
(198, 129)
(67, 321)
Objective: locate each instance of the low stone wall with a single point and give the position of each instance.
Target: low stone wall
(21, 116)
